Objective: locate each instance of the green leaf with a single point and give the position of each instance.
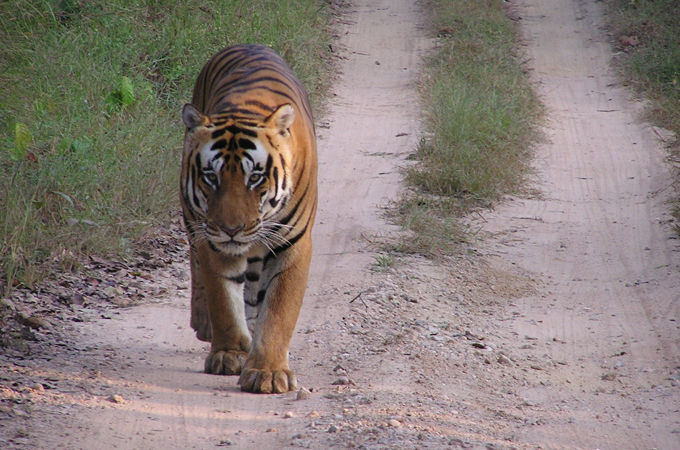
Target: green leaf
(64, 146)
(127, 91)
(121, 97)
(65, 197)
(81, 146)
(113, 102)
(22, 140)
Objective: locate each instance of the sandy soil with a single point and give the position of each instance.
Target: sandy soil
(559, 329)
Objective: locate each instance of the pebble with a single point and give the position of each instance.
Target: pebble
(115, 398)
(342, 381)
(394, 423)
(32, 321)
(504, 359)
(303, 394)
(288, 415)
(611, 376)
(20, 412)
(7, 303)
(332, 429)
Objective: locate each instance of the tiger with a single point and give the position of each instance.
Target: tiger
(248, 191)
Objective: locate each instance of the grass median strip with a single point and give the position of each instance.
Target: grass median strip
(480, 123)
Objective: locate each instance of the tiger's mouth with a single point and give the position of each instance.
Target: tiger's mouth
(232, 244)
(229, 246)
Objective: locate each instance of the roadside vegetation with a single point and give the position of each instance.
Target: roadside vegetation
(648, 35)
(480, 124)
(90, 94)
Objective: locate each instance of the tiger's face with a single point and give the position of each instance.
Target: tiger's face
(234, 179)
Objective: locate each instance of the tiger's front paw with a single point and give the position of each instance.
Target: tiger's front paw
(228, 362)
(267, 382)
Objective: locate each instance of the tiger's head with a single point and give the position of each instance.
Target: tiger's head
(234, 178)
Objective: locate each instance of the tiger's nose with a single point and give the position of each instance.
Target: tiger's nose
(232, 231)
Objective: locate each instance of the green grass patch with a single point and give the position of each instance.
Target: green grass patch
(480, 122)
(90, 94)
(383, 262)
(648, 34)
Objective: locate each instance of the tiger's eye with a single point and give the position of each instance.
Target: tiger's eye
(210, 178)
(254, 178)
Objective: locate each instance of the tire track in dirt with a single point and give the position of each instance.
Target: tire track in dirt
(599, 235)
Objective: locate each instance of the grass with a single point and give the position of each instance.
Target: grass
(648, 33)
(383, 262)
(653, 64)
(480, 123)
(90, 94)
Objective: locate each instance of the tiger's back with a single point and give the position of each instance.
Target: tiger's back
(248, 193)
(247, 82)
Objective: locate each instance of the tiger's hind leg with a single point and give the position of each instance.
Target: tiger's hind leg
(200, 318)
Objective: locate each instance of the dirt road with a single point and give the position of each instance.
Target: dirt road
(559, 331)
(606, 316)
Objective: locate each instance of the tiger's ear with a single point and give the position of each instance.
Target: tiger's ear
(282, 118)
(192, 117)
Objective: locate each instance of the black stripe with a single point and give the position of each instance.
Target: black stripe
(263, 292)
(246, 123)
(227, 108)
(254, 259)
(232, 144)
(286, 95)
(268, 165)
(260, 105)
(241, 278)
(289, 243)
(217, 133)
(283, 168)
(233, 129)
(219, 144)
(259, 79)
(197, 202)
(188, 225)
(288, 218)
(252, 276)
(275, 174)
(246, 144)
(221, 66)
